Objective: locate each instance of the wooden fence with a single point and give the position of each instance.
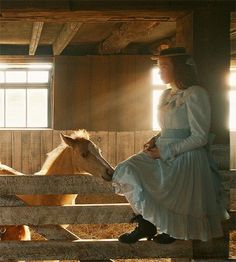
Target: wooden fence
(62, 244)
(65, 245)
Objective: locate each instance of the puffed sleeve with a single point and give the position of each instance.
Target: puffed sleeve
(199, 114)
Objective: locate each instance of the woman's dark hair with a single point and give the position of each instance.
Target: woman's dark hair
(185, 72)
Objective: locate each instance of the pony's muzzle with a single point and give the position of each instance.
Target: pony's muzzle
(109, 174)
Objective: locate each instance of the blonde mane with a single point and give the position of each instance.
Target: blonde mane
(56, 152)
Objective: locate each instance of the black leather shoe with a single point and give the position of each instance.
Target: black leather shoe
(145, 229)
(135, 236)
(163, 239)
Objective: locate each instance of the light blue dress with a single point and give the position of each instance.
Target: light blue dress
(180, 192)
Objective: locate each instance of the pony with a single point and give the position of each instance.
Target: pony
(75, 155)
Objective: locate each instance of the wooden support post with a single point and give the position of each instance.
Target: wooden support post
(210, 46)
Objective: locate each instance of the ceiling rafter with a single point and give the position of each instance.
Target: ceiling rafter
(66, 34)
(124, 35)
(35, 37)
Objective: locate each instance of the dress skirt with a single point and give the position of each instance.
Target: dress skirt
(181, 197)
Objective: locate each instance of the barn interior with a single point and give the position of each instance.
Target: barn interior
(88, 64)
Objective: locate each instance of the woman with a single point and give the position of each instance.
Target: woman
(173, 184)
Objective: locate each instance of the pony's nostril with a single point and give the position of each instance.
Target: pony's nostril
(110, 172)
(108, 176)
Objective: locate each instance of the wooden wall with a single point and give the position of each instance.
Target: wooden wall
(26, 150)
(112, 93)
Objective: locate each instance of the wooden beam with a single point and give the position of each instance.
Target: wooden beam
(71, 184)
(51, 232)
(100, 10)
(128, 32)
(35, 37)
(65, 184)
(78, 214)
(54, 232)
(91, 250)
(67, 33)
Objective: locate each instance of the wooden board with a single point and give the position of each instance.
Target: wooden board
(46, 144)
(5, 147)
(81, 184)
(100, 98)
(16, 150)
(125, 145)
(90, 250)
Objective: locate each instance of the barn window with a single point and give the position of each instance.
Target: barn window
(24, 95)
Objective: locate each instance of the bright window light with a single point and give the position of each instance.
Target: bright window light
(24, 95)
(156, 79)
(16, 76)
(1, 108)
(15, 107)
(37, 107)
(38, 76)
(2, 78)
(28, 66)
(232, 78)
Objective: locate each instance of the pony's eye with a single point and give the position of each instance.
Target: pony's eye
(85, 154)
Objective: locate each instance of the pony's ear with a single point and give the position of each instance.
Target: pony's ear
(67, 139)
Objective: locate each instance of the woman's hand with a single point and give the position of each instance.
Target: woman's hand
(150, 144)
(154, 152)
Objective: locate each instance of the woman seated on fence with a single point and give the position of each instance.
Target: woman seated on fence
(173, 185)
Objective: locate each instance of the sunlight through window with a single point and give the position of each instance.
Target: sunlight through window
(24, 95)
(232, 99)
(158, 88)
(15, 107)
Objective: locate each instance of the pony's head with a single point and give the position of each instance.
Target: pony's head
(87, 156)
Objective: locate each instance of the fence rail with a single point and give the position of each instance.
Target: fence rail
(63, 244)
(70, 184)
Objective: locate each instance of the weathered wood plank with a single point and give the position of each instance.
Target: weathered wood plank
(5, 146)
(100, 138)
(67, 33)
(125, 145)
(92, 250)
(46, 144)
(30, 145)
(78, 214)
(72, 111)
(216, 248)
(56, 139)
(143, 92)
(65, 184)
(35, 37)
(100, 93)
(54, 232)
(123, 35)
(16, 150)
(126, 97)
(38, 184)
(112, 156)
(51, 232)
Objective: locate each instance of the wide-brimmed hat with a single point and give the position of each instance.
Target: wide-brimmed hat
(171, 51)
